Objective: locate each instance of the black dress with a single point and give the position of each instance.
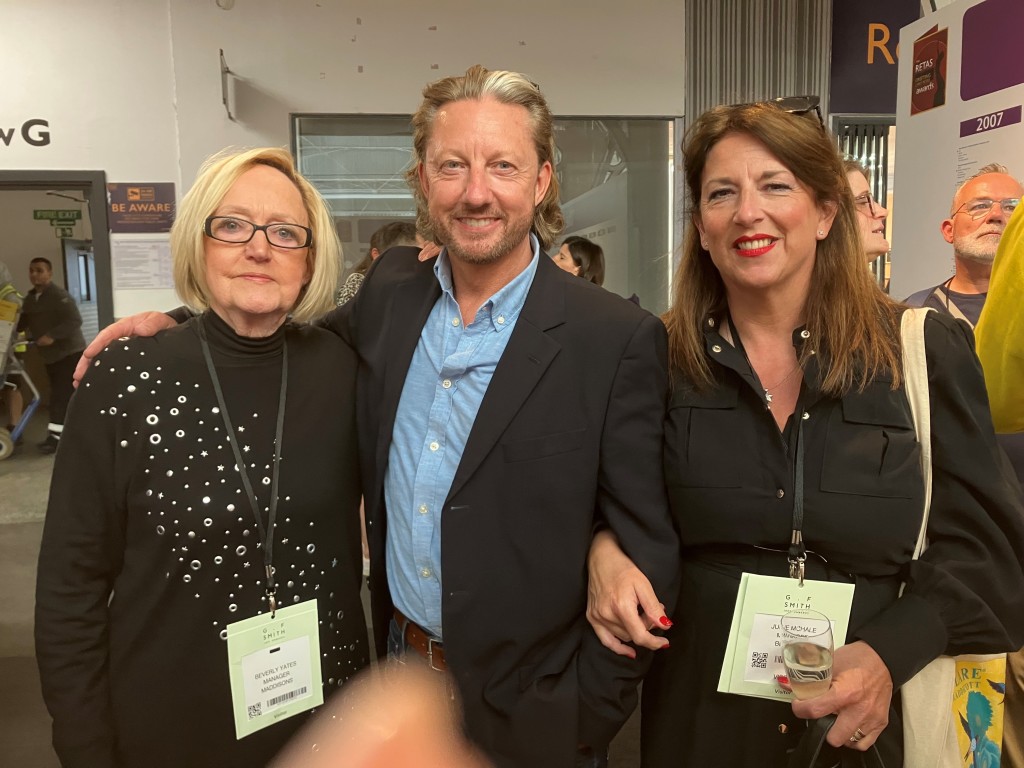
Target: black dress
(730, 479)
(150, 548)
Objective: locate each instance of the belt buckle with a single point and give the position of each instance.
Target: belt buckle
(430, 655)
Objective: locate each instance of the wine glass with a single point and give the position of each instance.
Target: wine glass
(807, 652)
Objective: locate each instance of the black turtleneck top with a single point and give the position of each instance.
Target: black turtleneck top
(150, 547)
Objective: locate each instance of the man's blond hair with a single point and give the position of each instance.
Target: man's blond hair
(507, 88)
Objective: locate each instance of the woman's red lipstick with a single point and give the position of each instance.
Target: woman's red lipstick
(754, 245)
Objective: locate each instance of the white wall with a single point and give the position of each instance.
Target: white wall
(100, 73)
(375, 57)
(132, 87)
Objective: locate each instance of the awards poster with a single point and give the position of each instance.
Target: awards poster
(929, 71)
(961, 91)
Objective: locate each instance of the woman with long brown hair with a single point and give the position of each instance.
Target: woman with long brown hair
(790, 446)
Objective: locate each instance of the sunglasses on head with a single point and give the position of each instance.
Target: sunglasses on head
(799, 105)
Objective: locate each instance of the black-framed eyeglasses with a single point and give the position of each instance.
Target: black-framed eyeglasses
(980, 207)
(231, 229)
(865, 203)
(800, 105)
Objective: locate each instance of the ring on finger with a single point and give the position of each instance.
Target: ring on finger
(857, 736)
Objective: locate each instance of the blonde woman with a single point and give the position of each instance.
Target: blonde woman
(196, 487)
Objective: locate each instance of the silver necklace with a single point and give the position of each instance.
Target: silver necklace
(767, 390)
(733, 338)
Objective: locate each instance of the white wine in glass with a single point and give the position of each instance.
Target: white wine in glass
(807, 652)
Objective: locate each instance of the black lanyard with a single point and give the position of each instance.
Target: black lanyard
(797, 551)
(266, 539)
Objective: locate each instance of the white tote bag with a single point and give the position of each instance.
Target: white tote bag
(929, 727)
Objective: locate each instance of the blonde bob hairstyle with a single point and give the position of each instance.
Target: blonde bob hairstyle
(215, 178)
(507, 88)
(852, 323)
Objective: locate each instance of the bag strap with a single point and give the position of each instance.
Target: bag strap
(813, 751)
(915, 384)
(941, 295)
(810, 746)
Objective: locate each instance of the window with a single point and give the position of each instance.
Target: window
(616, 175)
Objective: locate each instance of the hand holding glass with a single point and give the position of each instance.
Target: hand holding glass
(807, 652)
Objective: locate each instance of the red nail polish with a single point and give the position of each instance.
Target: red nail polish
(665, 622)
(666, 646)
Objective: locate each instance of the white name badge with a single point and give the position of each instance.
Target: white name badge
(274, 665)
(753, 655)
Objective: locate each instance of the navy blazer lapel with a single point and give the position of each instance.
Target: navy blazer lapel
(408, 313)
(529, 352)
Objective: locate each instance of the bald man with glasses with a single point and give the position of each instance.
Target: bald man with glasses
(980, 211)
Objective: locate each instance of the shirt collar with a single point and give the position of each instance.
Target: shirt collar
(501, 309)
(725, 353)
(714, 321)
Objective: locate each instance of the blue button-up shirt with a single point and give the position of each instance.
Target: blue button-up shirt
(448, 376)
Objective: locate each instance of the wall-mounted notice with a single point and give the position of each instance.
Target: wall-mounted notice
(141, 263)
(144, 207)
(930, 52)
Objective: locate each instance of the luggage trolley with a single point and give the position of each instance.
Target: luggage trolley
(10, 366)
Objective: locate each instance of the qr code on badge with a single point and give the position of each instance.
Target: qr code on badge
(758, 660)
(255, 710)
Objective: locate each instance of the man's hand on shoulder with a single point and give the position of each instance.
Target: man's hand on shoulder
(142, 324)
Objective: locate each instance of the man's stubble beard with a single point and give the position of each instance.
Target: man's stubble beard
(515, 233)
(975, 251)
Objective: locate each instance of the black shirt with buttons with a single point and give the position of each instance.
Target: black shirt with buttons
(730, 474)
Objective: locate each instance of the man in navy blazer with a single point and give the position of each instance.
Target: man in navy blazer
(507, 411)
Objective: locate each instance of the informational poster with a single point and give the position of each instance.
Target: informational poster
(959, 108)
(141, 207)
(141, 263)
(930, 53)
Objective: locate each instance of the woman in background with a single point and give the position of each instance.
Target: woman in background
(871, 216)
(388, 236)
(581, 257)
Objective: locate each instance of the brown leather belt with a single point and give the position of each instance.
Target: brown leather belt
(419, 640)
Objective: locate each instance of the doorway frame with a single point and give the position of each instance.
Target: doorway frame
(94, 185)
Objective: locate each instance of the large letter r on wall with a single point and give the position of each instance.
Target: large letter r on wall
(878, 37)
